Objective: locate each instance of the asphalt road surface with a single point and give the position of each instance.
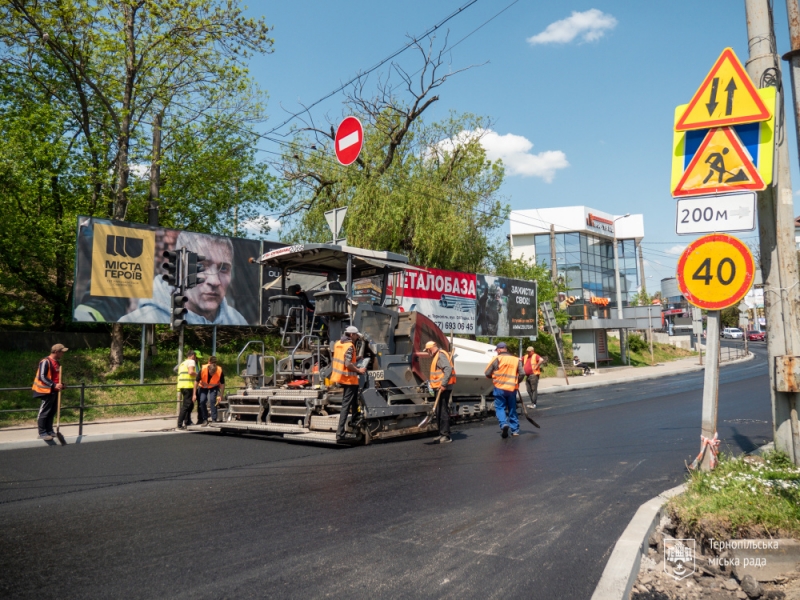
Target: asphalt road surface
(207, 516)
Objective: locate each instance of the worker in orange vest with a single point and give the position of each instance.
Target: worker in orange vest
(443, 376)
(211, 383)
(532, 363)
(46, 384)
(506, 372)
(345, 373)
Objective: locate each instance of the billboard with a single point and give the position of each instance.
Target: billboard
(505, 307)
(118, 275)
(446, 297)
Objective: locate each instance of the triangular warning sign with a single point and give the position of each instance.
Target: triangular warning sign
(720, 165)
(727, 96)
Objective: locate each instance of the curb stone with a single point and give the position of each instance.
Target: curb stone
(622, 567)
(581, 386)
(80, 439)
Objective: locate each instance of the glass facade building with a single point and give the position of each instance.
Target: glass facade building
(585, 262)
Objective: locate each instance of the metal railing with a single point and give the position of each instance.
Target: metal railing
(728, 353)
(82, 406)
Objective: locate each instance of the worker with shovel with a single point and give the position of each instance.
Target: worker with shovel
(442, 380)
(505, 371)
(46, 385)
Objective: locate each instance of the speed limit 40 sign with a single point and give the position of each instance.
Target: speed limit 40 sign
(716, 271)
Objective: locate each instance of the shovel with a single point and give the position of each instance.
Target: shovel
(60, 435)
(433, 412)
(525, 410)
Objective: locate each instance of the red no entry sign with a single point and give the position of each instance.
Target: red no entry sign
(349, 140)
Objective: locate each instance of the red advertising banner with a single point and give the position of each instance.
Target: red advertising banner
(446, 297)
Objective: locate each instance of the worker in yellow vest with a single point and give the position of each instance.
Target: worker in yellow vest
(442, 377)
(187, 371)
(506, 372)
(345, 373)
(532, 363)
(210, 383)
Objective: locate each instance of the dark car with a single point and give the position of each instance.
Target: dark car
(756, 336)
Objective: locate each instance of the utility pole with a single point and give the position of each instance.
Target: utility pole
(641, 269)
(149, 332)
(776, 227)
(553, 264)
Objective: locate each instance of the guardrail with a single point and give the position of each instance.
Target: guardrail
(728, 353)
(82, 407)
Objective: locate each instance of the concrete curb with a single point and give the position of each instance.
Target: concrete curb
(623, 564)
(80, 439)
(587, 385)
(622, 567)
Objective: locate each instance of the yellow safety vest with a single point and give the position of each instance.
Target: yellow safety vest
(185, 380)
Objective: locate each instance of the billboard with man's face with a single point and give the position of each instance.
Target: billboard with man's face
(118, 275)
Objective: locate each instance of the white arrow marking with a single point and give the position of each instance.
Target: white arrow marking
(348, 140)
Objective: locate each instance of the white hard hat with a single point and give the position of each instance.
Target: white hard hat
(351, 329)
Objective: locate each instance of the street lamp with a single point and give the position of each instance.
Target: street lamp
(622, 345)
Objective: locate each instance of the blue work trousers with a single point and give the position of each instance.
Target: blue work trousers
(207, 398)
(505, 409)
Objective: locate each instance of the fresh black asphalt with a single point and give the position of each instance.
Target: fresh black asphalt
(209, 516)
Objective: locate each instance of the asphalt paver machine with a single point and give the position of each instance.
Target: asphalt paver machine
(296, 399)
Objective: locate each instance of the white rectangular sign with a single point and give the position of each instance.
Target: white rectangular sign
(717, 213)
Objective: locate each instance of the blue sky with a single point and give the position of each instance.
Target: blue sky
(581, 94)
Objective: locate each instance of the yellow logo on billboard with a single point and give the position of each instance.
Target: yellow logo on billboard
(122, 262)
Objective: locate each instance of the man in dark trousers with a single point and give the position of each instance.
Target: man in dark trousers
(443, 377)
(46, 385)
(187, 372)
(345, 373)
(532, 363)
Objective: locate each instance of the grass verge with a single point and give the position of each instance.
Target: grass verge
(746, 497)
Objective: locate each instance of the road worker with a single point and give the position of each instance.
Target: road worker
(210, 383)
(505, 371)
(442, 377)
(345, 373)
(46, 385)
(187, 372)
(532, 364)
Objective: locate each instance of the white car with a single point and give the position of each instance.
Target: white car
(732, 333)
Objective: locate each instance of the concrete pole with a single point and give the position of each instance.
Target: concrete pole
(641, 269)
(214, 341)
(710, 385)
(776, 227)
(553, 264)
(622, 348)
(650, 325)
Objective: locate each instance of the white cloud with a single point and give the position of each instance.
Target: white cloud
(677, 250)
(514, 151)
(590, 26)
(139, 170)
(253, 227)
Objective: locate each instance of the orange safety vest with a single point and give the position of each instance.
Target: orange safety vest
(340, 373)
(55, 374)
(437, 374)
(532, 360)
(506, 376)
(204, 382)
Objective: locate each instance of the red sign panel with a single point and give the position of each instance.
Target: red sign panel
(349, 140)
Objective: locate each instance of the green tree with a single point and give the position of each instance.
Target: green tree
(641, 298)
(425, 190)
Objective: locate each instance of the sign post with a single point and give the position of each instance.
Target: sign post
(714, 272)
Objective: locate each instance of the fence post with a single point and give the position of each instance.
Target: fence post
(80, 418)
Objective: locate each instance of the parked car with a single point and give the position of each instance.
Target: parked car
(732, 333)
(756, 336)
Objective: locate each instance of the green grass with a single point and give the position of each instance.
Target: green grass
(661, 353)
(91, 366)
(742, 497)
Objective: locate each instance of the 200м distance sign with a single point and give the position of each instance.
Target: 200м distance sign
(716, 271)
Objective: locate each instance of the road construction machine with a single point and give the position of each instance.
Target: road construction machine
(293, 397)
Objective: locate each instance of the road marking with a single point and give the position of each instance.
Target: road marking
(348, 140)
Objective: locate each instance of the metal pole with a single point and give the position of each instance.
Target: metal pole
(553, 263)
(80, 413)
(142, 354)
(710, 386)
(776, 224)
(214, 341)
(650, 319)
(180, 360)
